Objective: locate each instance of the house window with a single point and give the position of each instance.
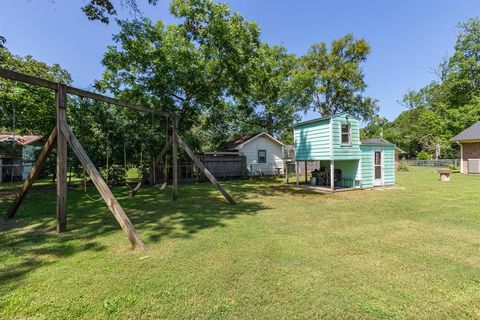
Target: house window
(346, 133)
(262, 156)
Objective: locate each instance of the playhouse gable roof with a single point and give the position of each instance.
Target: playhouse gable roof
(325, 118)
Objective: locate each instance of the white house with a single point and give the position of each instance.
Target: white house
(17, 166)
(263, 152)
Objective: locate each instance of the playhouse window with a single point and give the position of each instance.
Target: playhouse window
(346, 133)
(262, 156)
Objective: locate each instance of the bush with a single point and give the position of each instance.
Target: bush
(403, 166)
(453, 167)
(115, 175)
(424, 155)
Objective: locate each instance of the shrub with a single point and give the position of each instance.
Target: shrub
(115, 175)
(424, 155)
(403, 166)
(453, 167)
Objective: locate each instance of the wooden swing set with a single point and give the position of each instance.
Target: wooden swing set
(62, 135)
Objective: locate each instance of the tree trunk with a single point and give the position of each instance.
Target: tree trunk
(270, 124)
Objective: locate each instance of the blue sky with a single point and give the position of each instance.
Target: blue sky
(408, 38)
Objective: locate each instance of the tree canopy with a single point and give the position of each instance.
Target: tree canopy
(446, 106)
(333, 78)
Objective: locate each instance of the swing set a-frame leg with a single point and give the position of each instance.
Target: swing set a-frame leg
(32, 176)
(102, 187)
(202, 168)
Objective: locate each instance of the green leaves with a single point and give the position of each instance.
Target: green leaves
(102, 10)
(446, 106)
(32, 107)
(333, 79)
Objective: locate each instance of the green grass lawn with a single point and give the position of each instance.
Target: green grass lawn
(408, 252)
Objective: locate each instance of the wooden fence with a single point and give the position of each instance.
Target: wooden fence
(221, 165)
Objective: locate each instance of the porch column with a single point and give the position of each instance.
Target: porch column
(306, 178)
(332, 175)
(297, 175)
(461, 158)
(286, 172)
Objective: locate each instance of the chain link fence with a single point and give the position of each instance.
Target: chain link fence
(434, 163)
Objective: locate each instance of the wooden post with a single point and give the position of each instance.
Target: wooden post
(175, 157)
(297, 173)
(34, 172)
(306, 178)
(102, 188)
(286, 172)
(62, 168)
(202, 167)
(332, 175)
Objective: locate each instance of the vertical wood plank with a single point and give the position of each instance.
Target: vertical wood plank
(34, 172)
(102, 188)
(175, 158)
(62, 168)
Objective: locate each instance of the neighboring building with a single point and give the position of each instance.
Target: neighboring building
(263, 153)
(16, 166)
(469, 141)
(343, 159)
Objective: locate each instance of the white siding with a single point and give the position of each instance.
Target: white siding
(274, 155)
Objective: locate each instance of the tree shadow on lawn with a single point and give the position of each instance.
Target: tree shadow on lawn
(30, 242)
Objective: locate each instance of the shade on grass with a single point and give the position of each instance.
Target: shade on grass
(282, 252)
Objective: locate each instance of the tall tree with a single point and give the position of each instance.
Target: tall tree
(33, 108)
(270, 102)
(192, 67)
(333, 78)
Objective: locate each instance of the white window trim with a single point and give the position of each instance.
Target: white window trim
(258, 155)
(349, 134)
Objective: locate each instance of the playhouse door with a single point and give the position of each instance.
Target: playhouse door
(378, 168)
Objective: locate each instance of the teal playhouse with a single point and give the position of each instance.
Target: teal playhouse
(341, 160)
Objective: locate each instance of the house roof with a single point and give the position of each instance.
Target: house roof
(20, 140)
(376, 142)
(235, 143)
(324, 118)
(471, 133)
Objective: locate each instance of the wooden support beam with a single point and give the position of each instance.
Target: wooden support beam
(202, 168)
(286, 172)
(16, 76)
(306, 178)
(332, 175)
(175, 159)
(102, 188)
(62, 166)
(164, 151)
(297, 173)
(34, 172)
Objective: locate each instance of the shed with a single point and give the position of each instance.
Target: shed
(16, 163)
(469, 141)
(264, 154)
(345, 162)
